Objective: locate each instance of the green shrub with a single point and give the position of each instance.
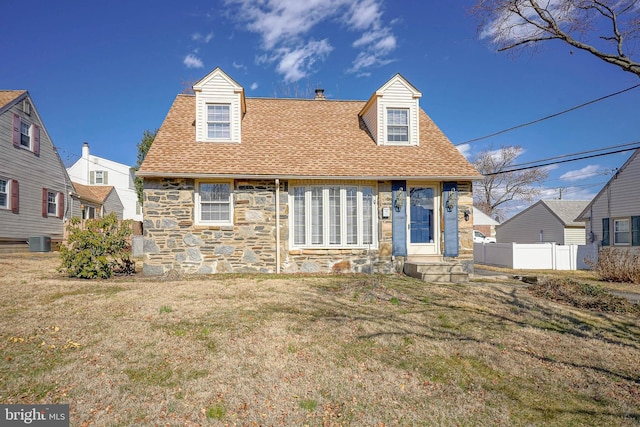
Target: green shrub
(617, 265)
(98, 249)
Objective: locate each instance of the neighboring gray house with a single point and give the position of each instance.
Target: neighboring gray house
(35, 190)
(97, 201)
(484, 223)
(545, 221)
(613, 216)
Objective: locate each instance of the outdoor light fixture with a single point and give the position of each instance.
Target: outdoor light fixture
(466, 215)
(452, 200)
(400, 197)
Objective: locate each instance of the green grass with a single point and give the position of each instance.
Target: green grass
(309, 404)
(216, 412)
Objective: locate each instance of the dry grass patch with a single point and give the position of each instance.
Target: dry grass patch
(309, 350)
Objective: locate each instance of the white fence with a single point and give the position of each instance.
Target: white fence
(536, 256)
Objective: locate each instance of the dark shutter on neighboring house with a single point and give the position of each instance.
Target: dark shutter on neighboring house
(605, 232)
(635, 231)
(16, 130)
(36, 139)
(60, 197)
(15, 196)
(45, 202)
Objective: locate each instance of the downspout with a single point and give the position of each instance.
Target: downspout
(277, 226)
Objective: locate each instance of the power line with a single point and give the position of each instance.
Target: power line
(548, 117)
(628, 144)
(563, 161)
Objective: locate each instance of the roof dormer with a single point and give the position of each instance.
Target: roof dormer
(220, 107)
(392, 113)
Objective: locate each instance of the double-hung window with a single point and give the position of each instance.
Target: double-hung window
(99, 177)
(25, 135)
(218, 121)
(214, 203)
(52, 203)
(621, 231)
(4, 193)
(334, 216)
(397, 125)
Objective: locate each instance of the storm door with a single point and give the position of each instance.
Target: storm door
(422, 220)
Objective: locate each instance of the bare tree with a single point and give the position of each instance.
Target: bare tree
(607, 29)
(501, 186)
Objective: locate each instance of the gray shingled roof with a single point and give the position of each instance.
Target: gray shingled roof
(567, 210)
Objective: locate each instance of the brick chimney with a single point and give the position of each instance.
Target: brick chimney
(320, 94)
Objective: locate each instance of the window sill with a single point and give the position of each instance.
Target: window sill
(204, 226)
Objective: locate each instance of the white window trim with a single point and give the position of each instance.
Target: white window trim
(7, 192)
(207, 122)
(326, 214)
(196, 210)
(388, 125)
(628, 232)
(96, 180)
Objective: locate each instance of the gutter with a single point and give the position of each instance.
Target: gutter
(196, 175)
(277, 226)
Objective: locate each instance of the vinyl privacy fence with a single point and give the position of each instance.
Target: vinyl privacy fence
(535, 256)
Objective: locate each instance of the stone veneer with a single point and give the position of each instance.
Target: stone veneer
(172, 241)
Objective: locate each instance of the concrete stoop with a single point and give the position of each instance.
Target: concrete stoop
(442, 271)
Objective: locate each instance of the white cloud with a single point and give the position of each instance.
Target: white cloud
(509, 27)
(585, 172)
(198, 37)
(254, 86)
(192, 61)
(464, 149)
(284, 25)
(296, 63)
(238, 66)
(363, 13)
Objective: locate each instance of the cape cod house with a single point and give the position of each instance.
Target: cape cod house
(237, 184)
(35, 190)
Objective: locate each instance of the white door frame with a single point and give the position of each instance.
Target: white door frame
(431, 248)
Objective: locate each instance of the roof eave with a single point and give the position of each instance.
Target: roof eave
(143, 174)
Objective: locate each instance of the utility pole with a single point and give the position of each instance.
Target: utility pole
(560, 191)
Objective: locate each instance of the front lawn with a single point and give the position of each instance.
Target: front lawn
(271, 350)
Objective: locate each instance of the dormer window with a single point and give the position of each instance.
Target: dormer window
(218, 121)
(397, 125)
(392, 114)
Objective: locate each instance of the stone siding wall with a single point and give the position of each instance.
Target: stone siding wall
(172, 240)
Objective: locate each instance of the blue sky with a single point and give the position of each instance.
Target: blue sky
(105, 71)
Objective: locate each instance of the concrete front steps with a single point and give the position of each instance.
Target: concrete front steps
(436, 271)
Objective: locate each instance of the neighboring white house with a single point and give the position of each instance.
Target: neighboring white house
(613, 216)
(484, 223)
(94, 170)
(546, 221)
